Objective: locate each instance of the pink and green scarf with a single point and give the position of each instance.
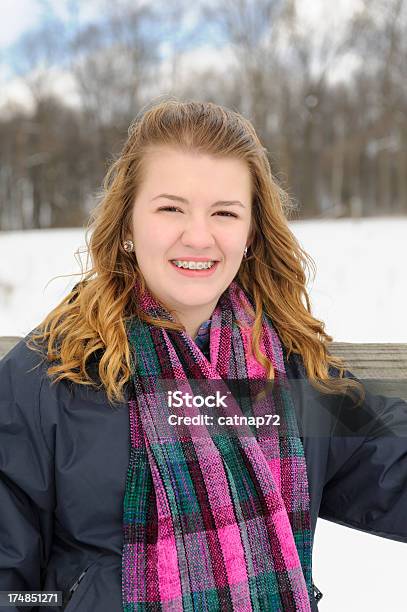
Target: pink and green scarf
(213, 522)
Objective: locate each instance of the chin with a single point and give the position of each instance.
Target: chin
(195, 298)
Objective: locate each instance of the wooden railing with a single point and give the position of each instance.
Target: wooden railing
(382, 366)
(372, 360)
(6, 343)
(384, 363)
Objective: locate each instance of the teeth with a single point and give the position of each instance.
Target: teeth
(194, 265)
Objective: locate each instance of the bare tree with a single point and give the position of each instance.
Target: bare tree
(338, 144)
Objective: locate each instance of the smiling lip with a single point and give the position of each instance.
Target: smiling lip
(195, 273)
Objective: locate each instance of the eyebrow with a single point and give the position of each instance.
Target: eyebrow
(169, 196)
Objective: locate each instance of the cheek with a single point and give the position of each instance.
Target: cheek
(150, 232)
(233, 243)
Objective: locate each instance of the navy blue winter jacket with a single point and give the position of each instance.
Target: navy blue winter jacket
(64, 454)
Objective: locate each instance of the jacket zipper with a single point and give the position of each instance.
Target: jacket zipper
(73, 588)
(317, 593)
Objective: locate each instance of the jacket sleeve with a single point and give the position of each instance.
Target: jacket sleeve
(366, 477)
(26, 474)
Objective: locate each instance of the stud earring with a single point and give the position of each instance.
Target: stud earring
(245, 253)
(128, 246)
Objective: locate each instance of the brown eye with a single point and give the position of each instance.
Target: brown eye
(226, 212)
(169, 208)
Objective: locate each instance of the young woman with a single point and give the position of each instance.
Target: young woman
(196, 278)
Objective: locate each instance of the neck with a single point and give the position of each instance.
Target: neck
(192, 321)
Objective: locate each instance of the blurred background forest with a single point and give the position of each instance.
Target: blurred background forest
(326, 90)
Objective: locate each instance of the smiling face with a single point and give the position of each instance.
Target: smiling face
(192, 222)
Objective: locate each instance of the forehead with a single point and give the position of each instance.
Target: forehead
(167, 168)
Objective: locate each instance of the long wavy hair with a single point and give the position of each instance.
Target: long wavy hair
(92, 317)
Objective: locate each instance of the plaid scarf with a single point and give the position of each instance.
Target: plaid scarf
(212, 522)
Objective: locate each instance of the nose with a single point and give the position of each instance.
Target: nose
(197, 233)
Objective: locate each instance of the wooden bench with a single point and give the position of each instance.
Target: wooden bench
(384, 365)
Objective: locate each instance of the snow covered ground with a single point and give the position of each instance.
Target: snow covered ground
(360, 291)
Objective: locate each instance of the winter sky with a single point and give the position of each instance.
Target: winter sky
(21, 16)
